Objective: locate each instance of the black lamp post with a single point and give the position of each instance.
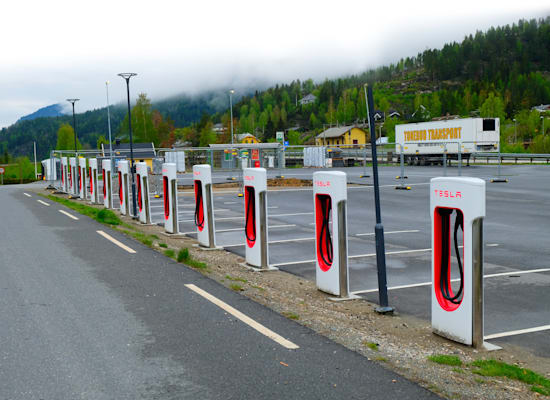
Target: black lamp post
(72, 101)
(126, 76)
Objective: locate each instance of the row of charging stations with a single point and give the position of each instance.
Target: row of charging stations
(457, 208)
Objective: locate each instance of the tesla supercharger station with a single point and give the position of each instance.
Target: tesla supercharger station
(255, 217)
(82, 175)
(73, 178)
(331, 240)
(123, 186)
(170, 197)
(64, 175)
(107, 183)
(144, 206)
(204, 206)
(457, 208)
(92, 172)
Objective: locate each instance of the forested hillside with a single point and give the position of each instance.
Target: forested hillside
(503, 72)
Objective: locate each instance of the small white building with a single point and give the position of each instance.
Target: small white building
(309, 99)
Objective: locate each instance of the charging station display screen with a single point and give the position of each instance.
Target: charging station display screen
(323, 215)
(250, 216)
(199, 208)
(446, 235)
(166, 200)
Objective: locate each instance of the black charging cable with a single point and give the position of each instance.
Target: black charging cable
(198, 206)
(444, 278)
(250, 213)
(325, 237)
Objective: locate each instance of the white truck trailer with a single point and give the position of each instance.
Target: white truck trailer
(425, 142)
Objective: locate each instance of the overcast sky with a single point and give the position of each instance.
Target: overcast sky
(53, 50)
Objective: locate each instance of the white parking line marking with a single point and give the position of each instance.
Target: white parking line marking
(518, 332)
(119, 244)
(68, 215)
(273, 241)
(270, 216)
(387, 233)
(270, 207)
(241, 229)
(491, 244)
(531, 271)
(26, 194)
(230, 202)
(43, 202)
(244, 318)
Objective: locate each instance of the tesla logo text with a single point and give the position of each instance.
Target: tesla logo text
(249, 178)
(196, 173)
(448, 193)
(321, 183)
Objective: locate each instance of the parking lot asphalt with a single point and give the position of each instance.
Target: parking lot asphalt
(516, 238)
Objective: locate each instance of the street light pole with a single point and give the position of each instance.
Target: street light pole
(75, 178)
(515, 131)
(541, 117)
(110, 140)
(126, 76)
(231, 111)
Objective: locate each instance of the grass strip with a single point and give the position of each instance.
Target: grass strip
(446, 359)
(498, 368)
(103, 216)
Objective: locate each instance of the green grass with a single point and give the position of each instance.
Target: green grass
(235, 279)
(291, 315)
(384, 359)
(459, 370)
(236, 287)
(164, 246)
(170, 253)
(445, 359)
(258, 287)
(185, 257)
(103, 216)
(371, 345)
(498, 368)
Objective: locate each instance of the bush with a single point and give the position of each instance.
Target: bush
(183, 255)
(106, 216)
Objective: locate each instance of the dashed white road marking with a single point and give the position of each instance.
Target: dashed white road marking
(244, 318)
(68, 215)
(43, 202)
(26, 194)
(119, 244)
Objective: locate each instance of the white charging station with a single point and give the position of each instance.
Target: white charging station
(204, 206)
(92, 172)
(124, 186)
(255, 217)
(107, 183)
(82, 175)
(73, 177)
(456, 204)
(144, 205)
(331, 240)
(170, 197)
(64, 174)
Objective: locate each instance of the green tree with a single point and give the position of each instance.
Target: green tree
(207, 135)
(435, 105)
(493, 107)
(65, 138)
(143, 129)
(294, 138)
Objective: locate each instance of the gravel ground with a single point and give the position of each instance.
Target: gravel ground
(400, 342)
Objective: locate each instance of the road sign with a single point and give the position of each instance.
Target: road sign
(2, 171)
(286, 143)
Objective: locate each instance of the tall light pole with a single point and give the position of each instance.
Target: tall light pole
(110, 140)
(231, 111)
(515, 131)
(75, 178)
(541, 117)
(126, 76)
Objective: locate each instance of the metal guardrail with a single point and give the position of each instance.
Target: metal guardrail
(513, 156)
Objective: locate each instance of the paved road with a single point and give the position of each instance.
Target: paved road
(81, 318)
